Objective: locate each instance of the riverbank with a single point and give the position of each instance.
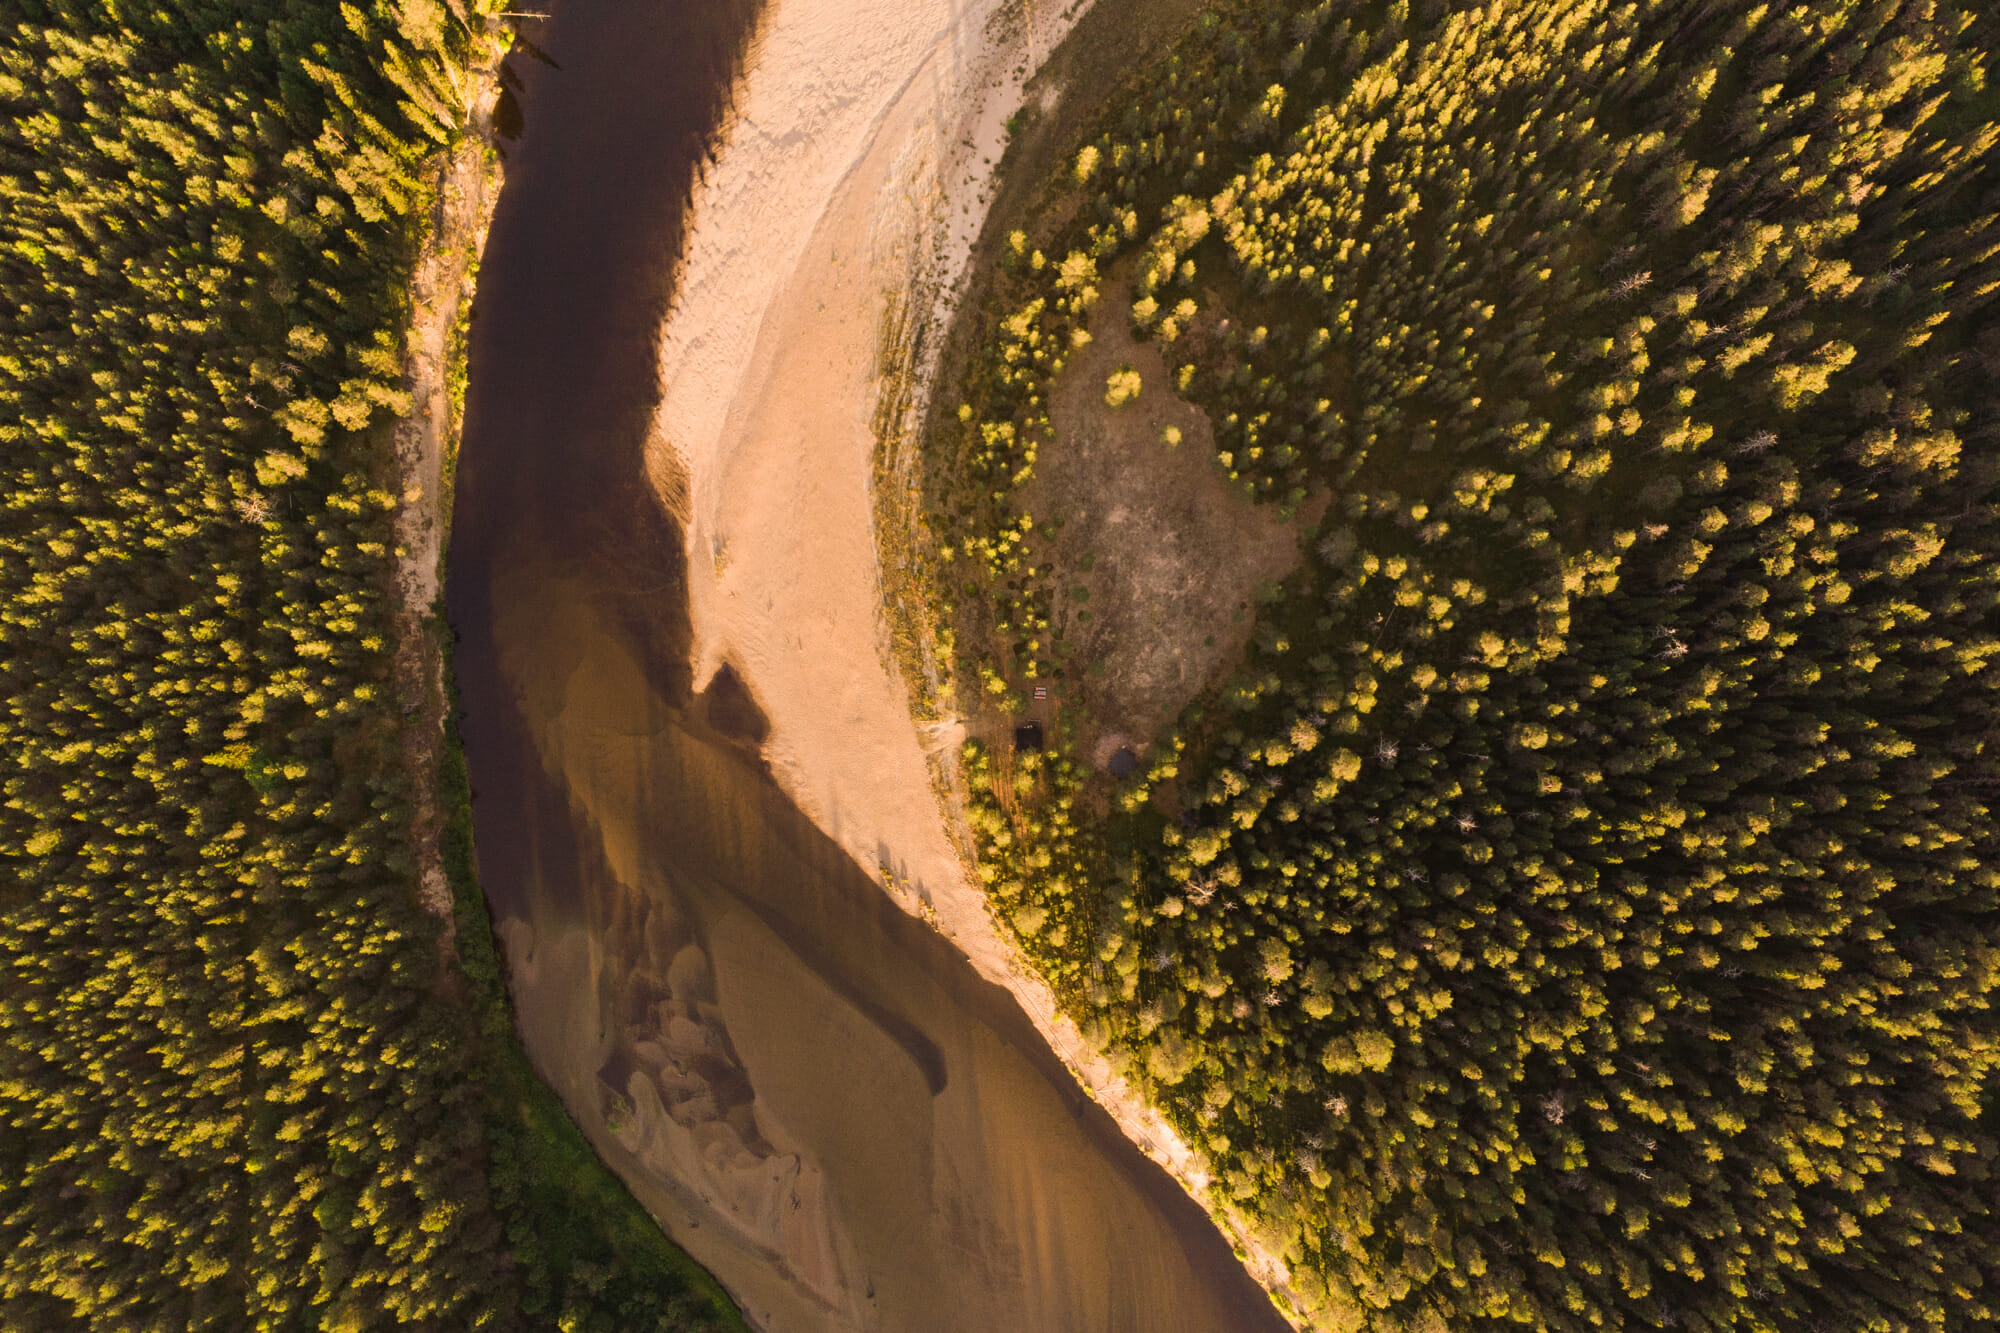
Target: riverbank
(1094, 67)
(849, 183)
(465, 189)
(831, 242)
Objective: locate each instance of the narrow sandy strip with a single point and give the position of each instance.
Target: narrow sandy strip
(851, 184)
(468, 186)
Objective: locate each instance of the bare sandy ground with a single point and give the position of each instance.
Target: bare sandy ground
(849, 188)
(854, 175)
(855, 172)
(468, 186)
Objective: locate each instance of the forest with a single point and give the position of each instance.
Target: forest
(244, 1083)
(1580, 908)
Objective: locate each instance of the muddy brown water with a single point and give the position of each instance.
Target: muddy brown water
(813, 1091)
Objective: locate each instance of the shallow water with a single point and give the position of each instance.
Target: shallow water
(814, 1092)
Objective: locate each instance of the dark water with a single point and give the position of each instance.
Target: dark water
(814, 1091)
(574, 285)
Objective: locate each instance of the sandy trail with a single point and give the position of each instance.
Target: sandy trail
(850, 186)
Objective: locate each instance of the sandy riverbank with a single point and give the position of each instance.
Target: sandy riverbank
(850, 187)
(853, 174)
(468, 185)
(849, 148)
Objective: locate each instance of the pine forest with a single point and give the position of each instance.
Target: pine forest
(238, 1088)
(1578, 907)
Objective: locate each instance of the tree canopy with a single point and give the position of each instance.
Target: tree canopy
(238, 1088)
(1579, 909)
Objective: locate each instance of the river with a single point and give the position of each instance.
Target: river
(813, 1091)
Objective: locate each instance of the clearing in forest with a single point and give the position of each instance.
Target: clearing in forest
(1159, 556)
